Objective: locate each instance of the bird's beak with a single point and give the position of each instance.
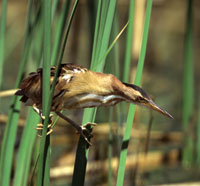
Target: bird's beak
(139, 96)
(155, 107)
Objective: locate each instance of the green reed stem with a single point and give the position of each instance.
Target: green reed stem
(188, 89)
(105, 14)
(7, 146)
(43, 174)
(129, 123)
(2, 38)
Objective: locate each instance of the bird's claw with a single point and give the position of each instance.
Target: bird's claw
(86, 132)
(40, 126)
(89, 125)
(43, 118)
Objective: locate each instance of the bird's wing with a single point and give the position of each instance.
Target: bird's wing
(66, 74)
(67, 68)
(31, 85)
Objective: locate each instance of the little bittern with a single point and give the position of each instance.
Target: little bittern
(78, 87)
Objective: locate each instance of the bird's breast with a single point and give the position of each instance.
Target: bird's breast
(91, 100)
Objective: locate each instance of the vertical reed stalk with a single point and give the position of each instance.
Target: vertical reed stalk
(43, 175)
(25, 150)
(124, 148)
(7, 146)
(110, 148)
(188, 89)
(129, 42)
(114, 69)
(198, 132)
(2, 38)
(60, 32)
(105, 14)
(44, 171)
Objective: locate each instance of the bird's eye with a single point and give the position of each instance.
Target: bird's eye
(141, 99)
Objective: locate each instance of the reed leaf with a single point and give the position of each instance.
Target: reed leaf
(104, 19)
(25, 150)
(25, 153)
(188, 89)
(2, 38)
(13, 115)
(53, 11)
(60, 32)
(198, 134)
(126, 138)
(43, 174)
(129, 42)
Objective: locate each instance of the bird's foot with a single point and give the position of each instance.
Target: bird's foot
(39, 112)
(43, 118)
(40, 126)
(86, 132)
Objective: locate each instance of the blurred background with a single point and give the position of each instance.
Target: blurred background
(161, 150)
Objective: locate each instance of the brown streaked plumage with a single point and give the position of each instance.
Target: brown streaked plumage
(78, 87)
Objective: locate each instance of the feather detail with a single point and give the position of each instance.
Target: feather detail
(31, 86)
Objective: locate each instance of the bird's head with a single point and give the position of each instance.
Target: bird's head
(138, 96)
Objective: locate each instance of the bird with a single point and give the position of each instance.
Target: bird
(78, 87)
